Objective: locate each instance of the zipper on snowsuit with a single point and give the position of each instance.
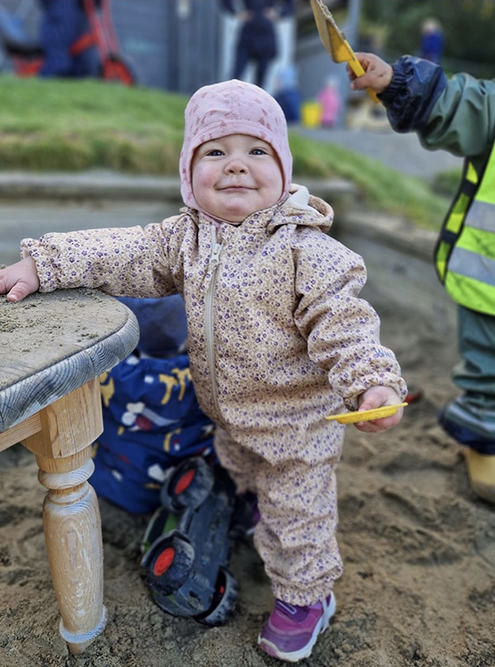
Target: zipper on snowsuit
(216, 249)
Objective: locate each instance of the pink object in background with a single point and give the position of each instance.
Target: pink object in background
(330, 101)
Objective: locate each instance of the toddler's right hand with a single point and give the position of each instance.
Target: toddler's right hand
(378, 74)
(19, 279)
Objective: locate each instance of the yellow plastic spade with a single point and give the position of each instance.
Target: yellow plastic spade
(335, 42)
(367, 415)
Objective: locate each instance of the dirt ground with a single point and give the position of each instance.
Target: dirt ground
(419, 550)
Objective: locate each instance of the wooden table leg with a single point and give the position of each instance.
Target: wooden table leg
(70, 513)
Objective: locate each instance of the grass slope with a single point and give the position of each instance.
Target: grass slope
(60, 125)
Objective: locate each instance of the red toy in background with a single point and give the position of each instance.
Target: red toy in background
(76, 39)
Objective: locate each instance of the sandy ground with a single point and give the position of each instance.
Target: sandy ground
(419, 584)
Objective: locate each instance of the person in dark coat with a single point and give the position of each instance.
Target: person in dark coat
(63, 23)
(257, 41)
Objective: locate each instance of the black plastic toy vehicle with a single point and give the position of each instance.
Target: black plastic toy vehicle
(189, 541)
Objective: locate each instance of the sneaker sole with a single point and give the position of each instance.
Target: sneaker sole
(306, 651)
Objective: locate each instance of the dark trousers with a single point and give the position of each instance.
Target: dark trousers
(475, 374)
(241, 62)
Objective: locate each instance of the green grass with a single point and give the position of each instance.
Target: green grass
(71, 125)
(382, 188)
(447, 182)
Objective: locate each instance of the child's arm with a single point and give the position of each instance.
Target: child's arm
(376, 397)
(378, 73)
(127, 261)
(19, 280)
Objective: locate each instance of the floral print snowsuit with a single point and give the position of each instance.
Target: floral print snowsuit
(278, 338)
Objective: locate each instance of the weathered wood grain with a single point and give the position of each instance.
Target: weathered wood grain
(51, 344)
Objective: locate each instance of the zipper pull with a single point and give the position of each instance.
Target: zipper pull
(216, 248)
(215, 256)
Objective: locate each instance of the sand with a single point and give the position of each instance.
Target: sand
(418, 546)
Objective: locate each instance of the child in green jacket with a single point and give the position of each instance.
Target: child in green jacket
(457, 115)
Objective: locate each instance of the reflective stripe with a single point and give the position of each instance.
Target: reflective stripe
(472, 265)
(481, 215)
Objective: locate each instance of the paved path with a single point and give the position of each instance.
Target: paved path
(402, 152)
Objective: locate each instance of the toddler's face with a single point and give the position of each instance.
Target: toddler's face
(235, 176)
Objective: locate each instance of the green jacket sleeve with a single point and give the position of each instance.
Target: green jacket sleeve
(463, 119)
(457, 115)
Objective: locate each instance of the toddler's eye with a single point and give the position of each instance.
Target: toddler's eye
(215, 152)
(258, 151)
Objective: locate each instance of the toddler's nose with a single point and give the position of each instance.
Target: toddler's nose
(236, 166)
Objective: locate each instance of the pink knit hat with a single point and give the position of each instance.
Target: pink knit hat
(232, 107)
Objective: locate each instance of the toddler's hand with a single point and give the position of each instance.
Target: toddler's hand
(377, 397)
(20, 279)
(378, 74)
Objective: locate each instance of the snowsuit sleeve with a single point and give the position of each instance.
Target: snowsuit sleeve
(457, 115)
(120, 261)
(342, 331)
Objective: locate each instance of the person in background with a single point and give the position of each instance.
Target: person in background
(432, 41)
(330, 101)
(64, 23)
(457, 115)
(278, 336)
(287, 94)
(257, 39)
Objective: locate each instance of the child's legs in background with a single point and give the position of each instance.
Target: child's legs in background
(475, 375)
(295, 536)
(241, 62)
(262, 65)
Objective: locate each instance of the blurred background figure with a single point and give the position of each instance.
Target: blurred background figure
(330, 101)
(432, 41)
(257, 37)
(287, 93)
(64, 39)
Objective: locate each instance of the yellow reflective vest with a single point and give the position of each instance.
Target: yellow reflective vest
(465, 252)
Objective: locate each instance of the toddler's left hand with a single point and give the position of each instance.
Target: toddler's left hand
(377, 397)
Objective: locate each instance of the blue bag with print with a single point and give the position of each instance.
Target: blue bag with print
(151, 416)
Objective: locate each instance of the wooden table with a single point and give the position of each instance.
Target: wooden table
(53, 347)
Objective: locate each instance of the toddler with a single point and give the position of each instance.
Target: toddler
(278, 337)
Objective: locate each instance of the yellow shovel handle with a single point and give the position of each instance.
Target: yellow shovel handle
(358, 70)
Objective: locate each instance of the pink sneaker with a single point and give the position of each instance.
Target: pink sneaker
(291, 631)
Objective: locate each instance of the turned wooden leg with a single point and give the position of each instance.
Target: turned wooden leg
(70, 512)
(71, 520)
